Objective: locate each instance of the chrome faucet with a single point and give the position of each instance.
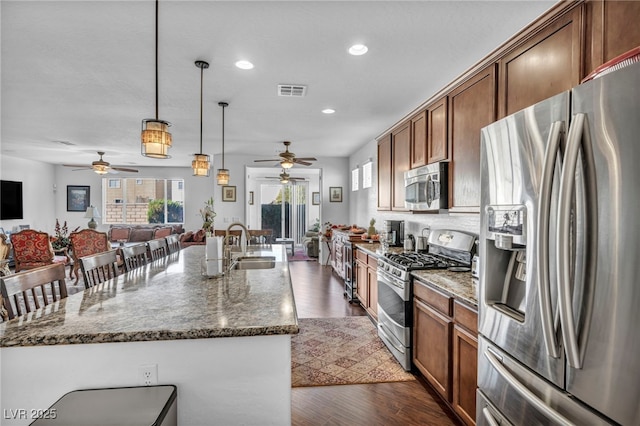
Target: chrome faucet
(243, 240)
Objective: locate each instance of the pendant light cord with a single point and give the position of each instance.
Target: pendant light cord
(201, 84)
(157, 59)
(223, 106)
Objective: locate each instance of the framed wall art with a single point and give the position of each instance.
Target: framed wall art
(78, 198)
(315, 198)
(229, 193)
(335, 194)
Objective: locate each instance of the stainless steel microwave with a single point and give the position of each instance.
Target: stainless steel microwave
(425, 188)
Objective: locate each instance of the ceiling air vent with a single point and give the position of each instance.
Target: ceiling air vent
(292, 90)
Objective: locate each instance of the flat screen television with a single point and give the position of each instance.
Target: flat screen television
(10, 200)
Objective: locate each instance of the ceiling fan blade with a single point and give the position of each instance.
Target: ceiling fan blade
(124, 169)
(81, 168)
(263, 161)
(307, 158)
(77, 165)
(112, 171)
(298, 161)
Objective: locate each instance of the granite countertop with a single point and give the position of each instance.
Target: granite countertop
(368, 247)
(166, 300)
(458, 284)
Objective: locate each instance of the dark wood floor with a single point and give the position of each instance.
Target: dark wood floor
(319, 294)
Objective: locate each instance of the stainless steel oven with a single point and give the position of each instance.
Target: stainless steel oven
(447, 249)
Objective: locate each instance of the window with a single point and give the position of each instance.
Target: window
(143, 201)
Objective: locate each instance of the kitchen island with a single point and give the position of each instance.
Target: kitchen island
(224, 342)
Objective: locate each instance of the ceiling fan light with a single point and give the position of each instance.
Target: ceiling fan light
(222, 177)
(100, 169)
(286, 164)
(156, 140)
(201, 164)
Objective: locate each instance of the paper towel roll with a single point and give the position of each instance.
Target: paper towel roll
(214, 255)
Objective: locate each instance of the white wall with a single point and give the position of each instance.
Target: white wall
(363, 203)
(45, 190)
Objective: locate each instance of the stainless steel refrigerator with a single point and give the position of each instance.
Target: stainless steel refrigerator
(559, 292)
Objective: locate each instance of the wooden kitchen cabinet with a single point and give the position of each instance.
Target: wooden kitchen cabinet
(445, 347)
(465, 362)
(385, 177)
(545, 64)
(472, 106)
(419, 140)
(437, 133)
(401, 162)
(367, 282)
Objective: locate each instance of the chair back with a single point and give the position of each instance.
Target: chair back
(261, 236)
(134, 256)
(234, 235)
(173, 243)
(5, 251)
(158, 248)
(29, 290)
(99, 268)
(87, 242)
(31, 249)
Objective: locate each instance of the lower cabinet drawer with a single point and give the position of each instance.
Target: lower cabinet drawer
(466, 317)
(442, 302)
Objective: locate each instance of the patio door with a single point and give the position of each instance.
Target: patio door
(284, 209)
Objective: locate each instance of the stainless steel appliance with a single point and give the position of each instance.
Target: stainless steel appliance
(395, 232)
(447, 249)
(425, 188)
(559, 296)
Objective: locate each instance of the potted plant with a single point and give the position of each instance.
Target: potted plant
(61, 240)
(208, 215)
(372, 228)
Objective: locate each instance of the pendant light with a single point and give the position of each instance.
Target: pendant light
(223, 174)
(156, 139)
(201, 162)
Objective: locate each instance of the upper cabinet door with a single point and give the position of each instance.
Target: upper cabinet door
(419, 140)
(472, 106)
(401, 161)
(544, 65)
(437, 140)
(385, 178)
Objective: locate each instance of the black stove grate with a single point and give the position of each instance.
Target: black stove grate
(414, 261)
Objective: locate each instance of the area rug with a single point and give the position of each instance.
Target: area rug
(299, 255)
(341, 351)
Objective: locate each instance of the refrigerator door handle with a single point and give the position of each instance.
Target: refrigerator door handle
(524, 391)
(489, 417)
(578, 132)
(543, 281)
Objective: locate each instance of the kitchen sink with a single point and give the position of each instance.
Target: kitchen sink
(255, 262)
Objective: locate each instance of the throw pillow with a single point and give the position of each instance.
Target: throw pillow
(187, 237)
(199, 236)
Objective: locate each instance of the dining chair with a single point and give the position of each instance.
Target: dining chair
(261, 236)
(5, 251)
(173, 243)
(98, 268)
(32, 249)
(32, 289)
(134, 256)
(85, 243)
(158, 248)
(235, 234)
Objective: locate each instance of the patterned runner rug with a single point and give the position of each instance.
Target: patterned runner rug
(340, 351)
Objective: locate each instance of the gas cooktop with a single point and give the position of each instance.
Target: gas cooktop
(411, 261)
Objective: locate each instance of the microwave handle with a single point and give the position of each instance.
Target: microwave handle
(430, 190)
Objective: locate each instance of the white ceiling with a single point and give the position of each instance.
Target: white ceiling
(82, 72)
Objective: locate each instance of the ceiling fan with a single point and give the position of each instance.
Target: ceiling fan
(288, 159)
(285, 178)
(101, 167)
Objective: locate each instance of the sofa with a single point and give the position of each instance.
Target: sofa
(191, 238)
(142, 233)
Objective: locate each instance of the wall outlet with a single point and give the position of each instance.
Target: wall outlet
(148, 375)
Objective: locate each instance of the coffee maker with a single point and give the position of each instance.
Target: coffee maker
(395, 232)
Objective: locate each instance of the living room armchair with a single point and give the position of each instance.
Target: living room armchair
(311, 243)
(32, 249)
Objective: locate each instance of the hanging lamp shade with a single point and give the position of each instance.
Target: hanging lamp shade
(222, 177)
(155, 136)
(201, 162)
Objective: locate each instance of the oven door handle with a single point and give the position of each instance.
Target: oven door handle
(388, 339)
(489, 417)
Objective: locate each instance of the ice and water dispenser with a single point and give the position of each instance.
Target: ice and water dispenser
(506, 259)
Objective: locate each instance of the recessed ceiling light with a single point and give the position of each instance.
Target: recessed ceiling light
(328, 111)
(358, 49)
(244, 65)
